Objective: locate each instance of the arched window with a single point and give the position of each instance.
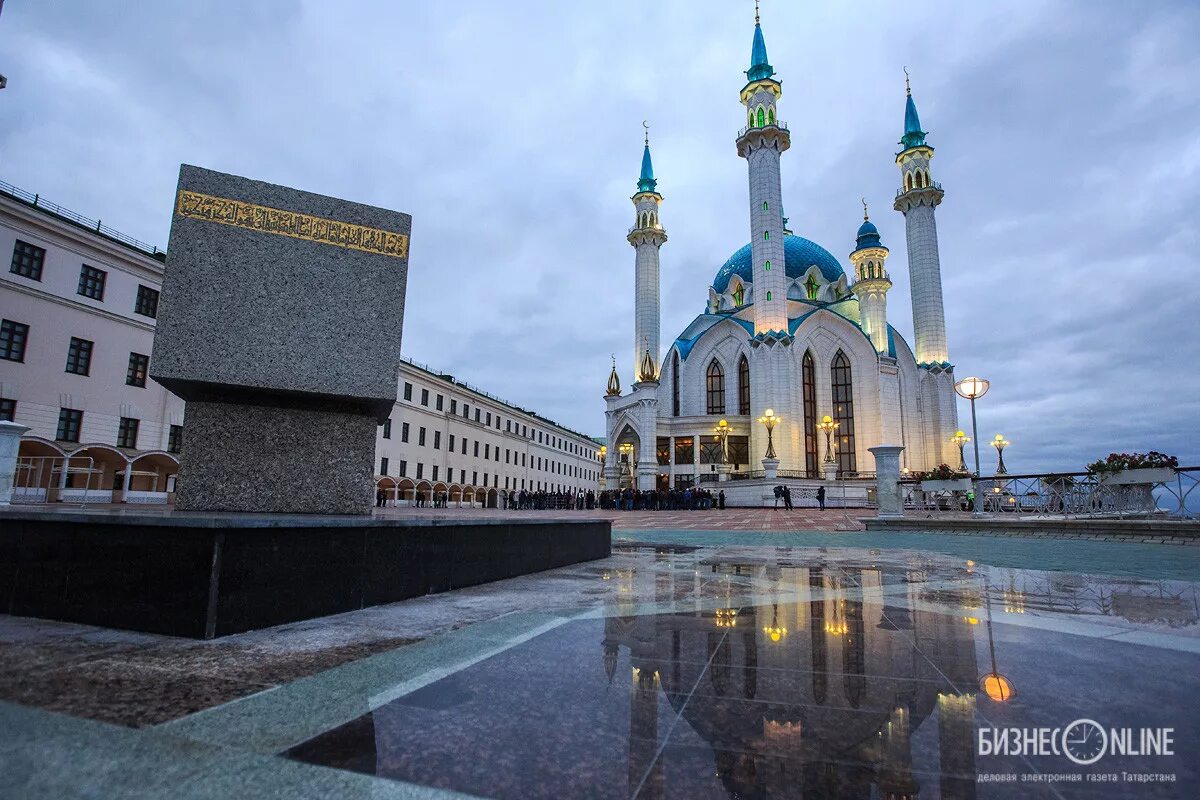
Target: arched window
(762, 118)
(675, 384)
(771, 116)
(715, 383)
(809, 376)
(768, 295)
(843, 413)
(743, 385)
(766, 235)
(767, 266)
(765, 206)
(739, 295)
(908, 182)
(810, 287)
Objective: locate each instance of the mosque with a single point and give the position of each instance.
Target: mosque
(785, 327)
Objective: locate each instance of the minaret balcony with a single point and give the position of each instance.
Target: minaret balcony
(932, 185)
(780, 125)
(647, 228)
(759, 134)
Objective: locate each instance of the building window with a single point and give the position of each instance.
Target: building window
(79, 356)
(674, 383)
(809, 381)
(684, 449)
(27, 260)
(477, 415)
(437, 440)
(91, 282)
(138, 366)
(477, 448)
(403, 469)
(765, 206)
(767, 266)
(13, 336)
(474, 478)
(466, 410)
(710, 450)
(768, 295)
(489, 418)
(127, 432)
(738, 448)
(464, 445)
(435, 472)
(407, 390)
(147, 301)
(766, 236)
(843, 413)
(383, 465)
(487, 452)
(451, 447)
(387, 429)
(716, 388)
(70, 420)
(175, 439)
(810, 287)
(743, 385)
(453, 406)
(662, 450)
(8, 409)
(440, 400)
(425, 397)
(420, 470)
(404, 432)
(421, 437)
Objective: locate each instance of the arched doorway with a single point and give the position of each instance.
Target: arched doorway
(407, 491)
(35, 478)
(150, 478)
(627, 450)
(389, 487)
(94, 473)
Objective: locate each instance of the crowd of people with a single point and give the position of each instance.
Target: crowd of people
(684, 499)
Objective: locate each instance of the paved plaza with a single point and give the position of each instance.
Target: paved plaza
(688, 664)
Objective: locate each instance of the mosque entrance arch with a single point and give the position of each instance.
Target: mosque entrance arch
(628, 446)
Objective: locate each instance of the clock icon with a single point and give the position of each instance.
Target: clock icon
(1084, 741)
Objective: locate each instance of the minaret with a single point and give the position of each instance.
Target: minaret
(918, 197)
(646, 236)
(871, 282)
(761, 143)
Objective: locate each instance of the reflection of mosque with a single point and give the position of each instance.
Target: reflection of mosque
(817, 695)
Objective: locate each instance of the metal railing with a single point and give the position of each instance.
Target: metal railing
(777, 124)
(1070, 494)
(47, 479)
(67, 214)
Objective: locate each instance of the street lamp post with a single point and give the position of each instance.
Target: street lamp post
(1000, 443)
(959, 438)
(829, 466)
(722, 431)
(972, 389)
(626, 449)
(770, 463)
(603, 467)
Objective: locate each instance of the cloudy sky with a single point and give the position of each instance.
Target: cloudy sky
(1067, 136)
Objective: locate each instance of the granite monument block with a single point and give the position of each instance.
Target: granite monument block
(279, 323)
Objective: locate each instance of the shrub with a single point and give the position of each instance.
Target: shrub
(1119, 462)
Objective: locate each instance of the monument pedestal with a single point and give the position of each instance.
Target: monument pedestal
(240, 457)
(770, 468)
(830, 468)
(10, 443)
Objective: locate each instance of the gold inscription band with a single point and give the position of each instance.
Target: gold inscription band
(289, 223)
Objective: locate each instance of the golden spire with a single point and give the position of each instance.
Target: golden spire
(907, 88)
(864, 202)
(614, 382)
(647, 372)
(647, 127)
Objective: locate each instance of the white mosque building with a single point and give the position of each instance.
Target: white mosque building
(787, 328)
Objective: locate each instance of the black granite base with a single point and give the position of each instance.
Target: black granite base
(204, 576)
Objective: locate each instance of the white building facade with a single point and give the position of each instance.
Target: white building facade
(77, 314)
(786, 328)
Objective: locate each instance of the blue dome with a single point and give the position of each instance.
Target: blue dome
(868, 229)
(799, 254)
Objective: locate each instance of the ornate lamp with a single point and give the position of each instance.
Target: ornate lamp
(959, 438)
(1000, 443)
(722, 431)
(775, 632)
(828, 426)
(769, 420)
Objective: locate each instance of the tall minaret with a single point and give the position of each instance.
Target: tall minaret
(871, 282)
(761, 143)
(918, 198)
(646, 236)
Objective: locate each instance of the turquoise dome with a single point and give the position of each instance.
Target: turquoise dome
(799, 254)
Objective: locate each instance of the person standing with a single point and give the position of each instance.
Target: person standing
(821, 497)
(721, 500)
(787, 498)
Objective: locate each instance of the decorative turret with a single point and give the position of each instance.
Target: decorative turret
(871, 282)
(614, 382)
(647, 371)
(761, 143)
(917, 199)
(647, 236)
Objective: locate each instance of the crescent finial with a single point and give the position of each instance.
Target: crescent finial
(864, 202)
(647, 127)
(907, 88)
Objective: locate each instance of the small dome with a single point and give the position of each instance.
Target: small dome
(867, 229)
(799, 254)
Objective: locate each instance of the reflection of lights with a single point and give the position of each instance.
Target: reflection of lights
(970, 565)
(971, 620)
(726, 617)
(997, 687)
(775, 632)
(837, 628)
(606, 577)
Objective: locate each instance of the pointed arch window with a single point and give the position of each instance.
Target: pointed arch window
(768, 295)
(675, 384)
(771, 116)
(843, 412)
(715, 385)
(762, 118)
(809, 379)
(765, 206)
(739, 295)
(743, 385)
(810, 287)
(767, 266)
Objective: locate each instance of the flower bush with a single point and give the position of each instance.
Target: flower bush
(942, 472)
(1119, 462)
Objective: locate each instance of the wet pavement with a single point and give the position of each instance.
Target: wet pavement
(689, 667)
